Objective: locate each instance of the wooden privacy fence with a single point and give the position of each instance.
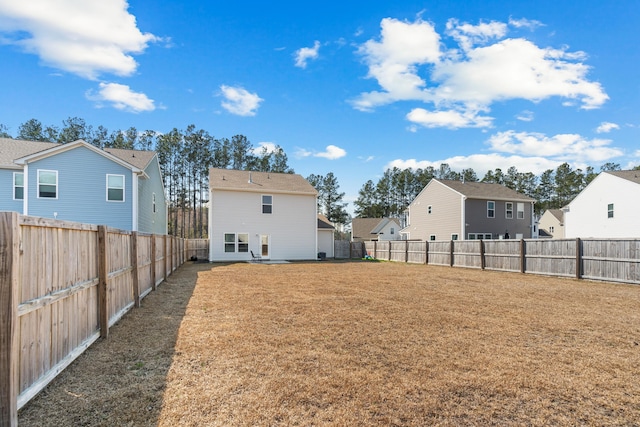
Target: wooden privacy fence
(62, 285)
(616, 260)
(345, 249)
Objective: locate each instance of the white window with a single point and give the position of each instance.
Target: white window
(508, 210)
(267, 204)
(432, 237)
(610, 210)
(392, 231)
(491, 209)
(551, 228)
(115, 188)
(47, 184)
(454, 237)
(153, 202)
(429, 210)
(520, 210)
(18, 186)
(479, 236)
(236, 242)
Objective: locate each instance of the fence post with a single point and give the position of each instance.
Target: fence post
(375, 249)
(426, 252)
(451, 253)
(523, 258)
(9, 345)
(406, 251)
(164, 271)
(153, 262)
(578, 258)
(389, 256)
(483, 262)
(103, 272)
(134, 267)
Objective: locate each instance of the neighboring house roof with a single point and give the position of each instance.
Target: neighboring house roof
(630, 175)
(14, 149)
(484, 190)
(235, 180)
(368, 228)
(324, 223)
(557, 213)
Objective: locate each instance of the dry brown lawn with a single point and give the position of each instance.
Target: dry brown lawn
(359, 343)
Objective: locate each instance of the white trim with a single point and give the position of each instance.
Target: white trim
(124, 186)
(134, 201)
(16, 186)
(506, 210)
(494, 208)
(263, 204)
(25, 201)
(38, 184)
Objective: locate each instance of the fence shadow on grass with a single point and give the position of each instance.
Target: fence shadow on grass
(121, 380)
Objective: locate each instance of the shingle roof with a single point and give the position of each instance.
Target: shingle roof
(235, 180)
(484, 190)
(630, 175)
(558, 213)
(12, 149)
(367, 228)
(324, 223)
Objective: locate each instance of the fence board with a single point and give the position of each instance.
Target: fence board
(50, 305)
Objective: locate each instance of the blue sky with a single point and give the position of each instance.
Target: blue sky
(348, 87)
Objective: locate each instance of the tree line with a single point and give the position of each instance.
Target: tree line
(553, 189)
(185, 157)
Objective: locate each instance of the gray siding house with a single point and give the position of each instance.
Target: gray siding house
(82, 183)
(458, 210)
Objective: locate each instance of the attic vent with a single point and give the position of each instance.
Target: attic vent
(250, 180)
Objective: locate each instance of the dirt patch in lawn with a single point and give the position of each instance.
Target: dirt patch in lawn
(359, 343)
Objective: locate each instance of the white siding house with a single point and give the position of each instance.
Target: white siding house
(272, 215)
(607, 207)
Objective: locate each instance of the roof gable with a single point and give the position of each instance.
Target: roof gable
(236, 180)
(12, 149)
(483, 190)
(629, 175)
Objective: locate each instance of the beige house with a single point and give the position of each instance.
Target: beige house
(458, 210)
(370, 229)
(551, 224)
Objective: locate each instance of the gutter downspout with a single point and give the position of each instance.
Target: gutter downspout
(463, 224)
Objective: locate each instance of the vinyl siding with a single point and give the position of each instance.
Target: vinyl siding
(445, 217)
(82, 177)
(6, 192)
(587, 215)
(476, 217)
(292, 226)
(148, 221)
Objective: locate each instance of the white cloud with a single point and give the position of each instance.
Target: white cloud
(606, 127)
(409, 64)
(304, 54)
(122, 97)
(332, 152)
(566, 147)
(450, 119)
(394, 59)
(240, 101)
(525, 116)
(86, 38)
(468, 35)
(531, 24)
(481, 163)
(265, 147)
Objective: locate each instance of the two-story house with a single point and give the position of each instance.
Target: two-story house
(551, 224)
(272, 215)
(82, 183)
(378, 229)
(458, 210)
(606, 208)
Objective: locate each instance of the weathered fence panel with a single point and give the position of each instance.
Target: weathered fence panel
(198, 248)
(555, 257)
(398, 250)
(440, 252)
(615, 260)
(416, 252)
(502, 255)
(345, 249)
(62, 285)
(466, 253)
